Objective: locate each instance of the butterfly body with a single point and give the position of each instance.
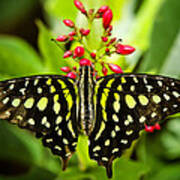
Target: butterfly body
(111, 111)
(86, 106)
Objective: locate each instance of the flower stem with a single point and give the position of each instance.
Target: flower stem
(57, 44)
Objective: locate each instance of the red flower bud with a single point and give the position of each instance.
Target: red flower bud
(109, 28)
(107, 50)
(80, 6)
(109, 34)
(93, 55)
(71, 75)
(65, 69)
(71, 38)
(124, 49)
(104, 39)
(74, 57)
(67, 54)
(61, 38)
(149, 128)
(68, 23)
(97, 77)
(74, 68)
(103, 9)
(73, 33)
(157, 126)
(107, 18)
(104, 70)
(79, 51)
(83, 11)
(111, 41)
(85, 62)
(115, 68)
(84, 32)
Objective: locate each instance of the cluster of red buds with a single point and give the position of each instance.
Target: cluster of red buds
(152, 128)
(110, 45)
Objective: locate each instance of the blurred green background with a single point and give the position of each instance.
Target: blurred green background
(151, 26)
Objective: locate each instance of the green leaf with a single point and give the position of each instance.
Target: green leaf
(158, 149)
(25, 147)
(171, 140)
(164, 34)
(21, 145)
(129, 170)
(142, 25)
(52, 54)
(166, 173)
(83, 153)
(18, 58)
(118, 7)
(171, 64)
(58, 9)
(4, 77)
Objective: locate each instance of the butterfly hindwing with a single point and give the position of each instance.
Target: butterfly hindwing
(124, 104)
(44, 105)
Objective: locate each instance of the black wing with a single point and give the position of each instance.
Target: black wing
(125, 103)
(45, 105)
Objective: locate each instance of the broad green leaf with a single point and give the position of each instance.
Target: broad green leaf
(83, 153)
(142, 25)
(149, 148)
(52, 54)
(4, 77)
(19, 144)
(118, 7)
(18, 58)
(129, 170)
(60, 8)
(23, 147)
(164, 34)
(171, 64)
(171, 140)
(168, 172)
(155, 148)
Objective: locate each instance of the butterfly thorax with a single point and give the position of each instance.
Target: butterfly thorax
(85, 105)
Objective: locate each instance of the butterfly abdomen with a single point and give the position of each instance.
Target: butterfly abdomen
(86, 113)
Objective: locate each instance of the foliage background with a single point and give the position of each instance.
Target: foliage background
(26, 27)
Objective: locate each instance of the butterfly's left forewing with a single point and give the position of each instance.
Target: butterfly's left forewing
(124, 104)
(44, 105)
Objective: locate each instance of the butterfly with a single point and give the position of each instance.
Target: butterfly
(111, 111)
